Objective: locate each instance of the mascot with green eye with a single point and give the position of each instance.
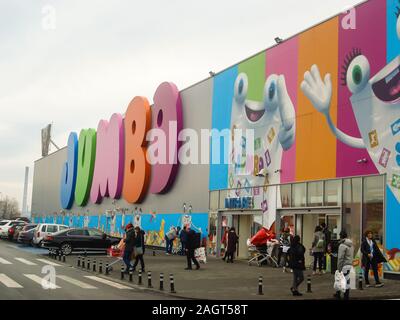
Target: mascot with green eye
(376, 106)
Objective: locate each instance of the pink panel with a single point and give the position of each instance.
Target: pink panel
(167, 116)
(109, 168)
(369, 36)
(283, 60)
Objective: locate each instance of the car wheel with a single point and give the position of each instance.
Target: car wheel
(39, 245)
(66, 249)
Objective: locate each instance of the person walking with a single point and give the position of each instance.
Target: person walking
(345, 262)
(297, 264)
(318, 249)
(328, 238)
(224, 242)
(284, 245)
(183, 238)
(232, 244)
(190, 247)
(129, 245)
(169, 240)
(371, 257)
(139, 248)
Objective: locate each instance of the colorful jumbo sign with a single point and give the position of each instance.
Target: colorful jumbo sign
(113, 161)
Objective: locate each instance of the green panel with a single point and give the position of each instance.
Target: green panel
(255, 70)
(85, 165)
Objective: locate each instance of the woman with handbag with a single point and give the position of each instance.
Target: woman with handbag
(139, 248)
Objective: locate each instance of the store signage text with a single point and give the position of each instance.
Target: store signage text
(239, 203)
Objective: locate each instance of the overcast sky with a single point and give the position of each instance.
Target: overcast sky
(102, 53)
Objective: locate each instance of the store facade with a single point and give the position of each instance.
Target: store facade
(324, 112)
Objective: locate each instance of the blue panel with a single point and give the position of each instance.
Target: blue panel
(68, 176)
(221, 119)
(393, 43)
(392, 221)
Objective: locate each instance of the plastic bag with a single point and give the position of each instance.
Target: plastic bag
(353, 279)
(340, 282)
(200, 255)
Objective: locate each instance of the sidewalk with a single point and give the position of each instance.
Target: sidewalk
(238, 281)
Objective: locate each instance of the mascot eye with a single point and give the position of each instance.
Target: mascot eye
(270, 93)
(356, 71)
(272, 90)
(241, 85)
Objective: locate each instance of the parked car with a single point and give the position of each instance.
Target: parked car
(23, 228)
(44, 229)
(26, 237)
(17, 230)
(5, 225)
(79, 239)
(12, 228)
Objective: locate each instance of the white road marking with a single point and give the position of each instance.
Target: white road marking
(107, 282)
(29, 263)
(51, 263)
(8, 282)
(78, 283)
(4, 261)
(39, 280)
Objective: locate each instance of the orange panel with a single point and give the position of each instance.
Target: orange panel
(137, 168)
(316, 145)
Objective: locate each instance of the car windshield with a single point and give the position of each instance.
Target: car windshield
(29, 227)
(2, 223)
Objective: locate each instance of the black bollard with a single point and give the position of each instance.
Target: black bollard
(154, 253)
(100, 267)
(360, 281)
(59, 256)
(172, 283)
(309, 284)
(149, 280)
(79, 261)
(63, 257)
(83, 262)
(260, 286)
(88, 264)
(94, 265)
(107, 269)
(130, 275)
(49, 253)
(122, 272)
(161, 281)
(140, 277)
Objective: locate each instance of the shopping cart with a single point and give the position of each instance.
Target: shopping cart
(115, 252)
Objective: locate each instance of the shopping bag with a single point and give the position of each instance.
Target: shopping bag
(353, 279)
(328, 263)
(200, 255)
(340, 282)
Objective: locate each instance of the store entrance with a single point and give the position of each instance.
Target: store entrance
(304, 222)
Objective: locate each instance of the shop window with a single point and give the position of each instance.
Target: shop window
(286, 191)
(373, 206)
(299, 195)
(315, 194)
(333, 193)
(352, 206)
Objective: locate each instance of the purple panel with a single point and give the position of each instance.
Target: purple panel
(369, 36)
(283, 60)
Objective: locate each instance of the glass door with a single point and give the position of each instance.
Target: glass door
(334, 224)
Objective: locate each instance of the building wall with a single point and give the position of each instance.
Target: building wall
(190, 186)
(367, 126)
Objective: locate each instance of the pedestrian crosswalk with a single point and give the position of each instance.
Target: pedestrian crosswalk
(25, 280)
(27, 262)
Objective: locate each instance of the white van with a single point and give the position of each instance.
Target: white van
(44, 229)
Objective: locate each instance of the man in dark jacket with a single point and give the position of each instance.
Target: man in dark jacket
(190, 247)
(297, 264)
(183, 238)
(129, 246)
(371, 257)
